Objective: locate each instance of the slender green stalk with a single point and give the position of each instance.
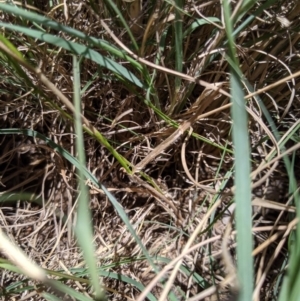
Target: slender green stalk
(243, 212)
(83, 228)
(178, 48)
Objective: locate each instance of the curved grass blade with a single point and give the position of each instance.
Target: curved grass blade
(128, 280)
(25, 267)
(263, 6)
(78, 49)
(88, 175)
(114, 7)
(12, 62)
(199, 22)
(13, 288)
(92, 41)
(70, 291)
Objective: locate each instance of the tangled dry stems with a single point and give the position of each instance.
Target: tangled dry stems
(44, 231)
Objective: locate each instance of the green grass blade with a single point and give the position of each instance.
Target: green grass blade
(125, 219)
(243, 9)
(21, 74)
(178, 40)
(243, 211)
(88, 175)
(54, 146)
(128, 280)
(83, 228)
(178, 36)
(50, 297)
(119, 15)
(78, 49)
(22, 196)
(199, 22)
(69, 291)
(6, 265)
(261, 8)
(48, 23)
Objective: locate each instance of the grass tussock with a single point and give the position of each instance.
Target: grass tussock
(156, 88)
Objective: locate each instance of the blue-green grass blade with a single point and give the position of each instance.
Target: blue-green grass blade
(125, 219)
(13, 197)
(6, 265)
(48, 23)
(128, 280)
(83, 228)
(78, 273)
(178, 40)
(243, 211)
(79, 49)
(21, 73)
(88, 175)
(50, 297)
(244, 8)
(123, 21)
(70, 291)
(172, 123)
(199, 22)
(262, 6)
(103, 272)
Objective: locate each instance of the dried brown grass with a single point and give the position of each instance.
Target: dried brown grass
(268, 52)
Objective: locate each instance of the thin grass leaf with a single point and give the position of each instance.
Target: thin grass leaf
(178, 36)
(6, 265)
(50, 297)
(78, 49)
(22, 196)
(178, 39)
(263, 6)
(69, 291)
(199, 22)
(174, 124)
(78, 273)
(243, 9)
(281, 285)
(243, 209)
(125, 219)
(103, 273)
(83, 228)
(119, 15)
(12, 63)
(48, 23)
(128, 280)
(243, 192)
(151, 92)
(88, 175)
